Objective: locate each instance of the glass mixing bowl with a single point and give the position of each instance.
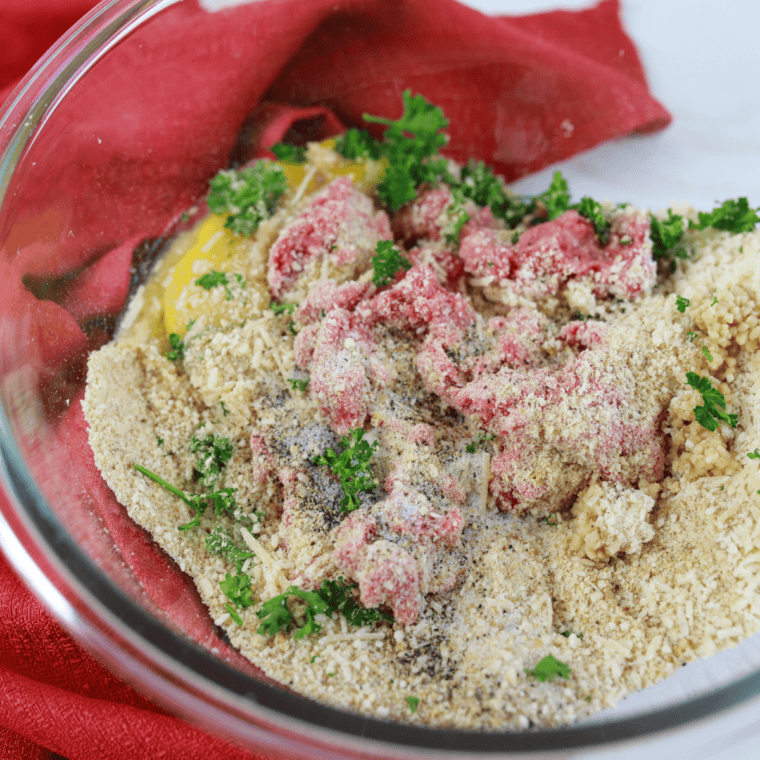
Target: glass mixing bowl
(51, 533)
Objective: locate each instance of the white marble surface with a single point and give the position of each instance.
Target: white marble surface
(703, 63)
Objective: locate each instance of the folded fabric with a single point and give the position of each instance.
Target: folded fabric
(134, 143)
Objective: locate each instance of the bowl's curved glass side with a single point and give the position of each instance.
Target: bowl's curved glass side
(50, 529)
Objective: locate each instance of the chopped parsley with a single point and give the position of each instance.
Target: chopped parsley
(567, 634)
(297, 384)
(713, 410)
(732, 216)
(283, 308)
(237, 588)
(691, 335)
(213, 452)
(707, 354)
(225, 411)
(276, 615)
(177, 348)
(548, 521)
(592, 210)
(248, 196)
(332, 596)
(754, 454)
(549, 667)
(289, 154)
(223, 500)
(459, 217)
(667, 235)
(160, 441)
(386, 262)
(480, 441)
(556, 198)
(351, 467)
(220, 543)
(412, 702)
(213, 279)
(358, 143)
(682, 303)
(411, 145)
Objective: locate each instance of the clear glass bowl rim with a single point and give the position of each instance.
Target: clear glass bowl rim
(184, 676)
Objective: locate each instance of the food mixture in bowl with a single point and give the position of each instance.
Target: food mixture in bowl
(438, 453)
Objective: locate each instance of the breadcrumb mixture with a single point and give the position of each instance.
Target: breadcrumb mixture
(543, 487)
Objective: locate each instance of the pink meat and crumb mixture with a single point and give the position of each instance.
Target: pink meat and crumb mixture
(468, 370)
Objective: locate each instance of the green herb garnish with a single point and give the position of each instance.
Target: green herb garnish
(592, 210)
(412, 702)
(220, 543)
(212, 279)
(330, 597)
(223, 500)
(707, 354)
(358, 143)
(276, 615)
(550, 667)
(754, 454)
(714, 409)
(691, 335)
(556, 198)
(667, 235)
(297, 384)
(213, 452)
(481, 440)
(177, 352)
(411, 145)
(237, 588)
(682, 303)
(248, 196)
(386, 262)
(351, 467)
(732, 216)
(290, 154)
(283, 308)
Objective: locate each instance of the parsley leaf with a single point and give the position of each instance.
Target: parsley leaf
(733, 216)
(412, 702)
(386, 262)
(556, 198)
(682, 303)
(550, 667)
(177, 352)
(358, 143)
(214, 452)
(666, 236)
(754, 454)
(592, 210)
(410, 145)
(297, 384)
(714, 409)
(289, 154)
(212, 279)
(481, 440)
(220, 543)
(223, 500)
(248, 196)
(707, 354)
(691, 335)
(276, 615)
(282, 308)
(332, 596)
(340, 597)
(237, 588)
(352, 467)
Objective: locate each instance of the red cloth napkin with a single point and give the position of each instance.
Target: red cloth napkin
(521, 93)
